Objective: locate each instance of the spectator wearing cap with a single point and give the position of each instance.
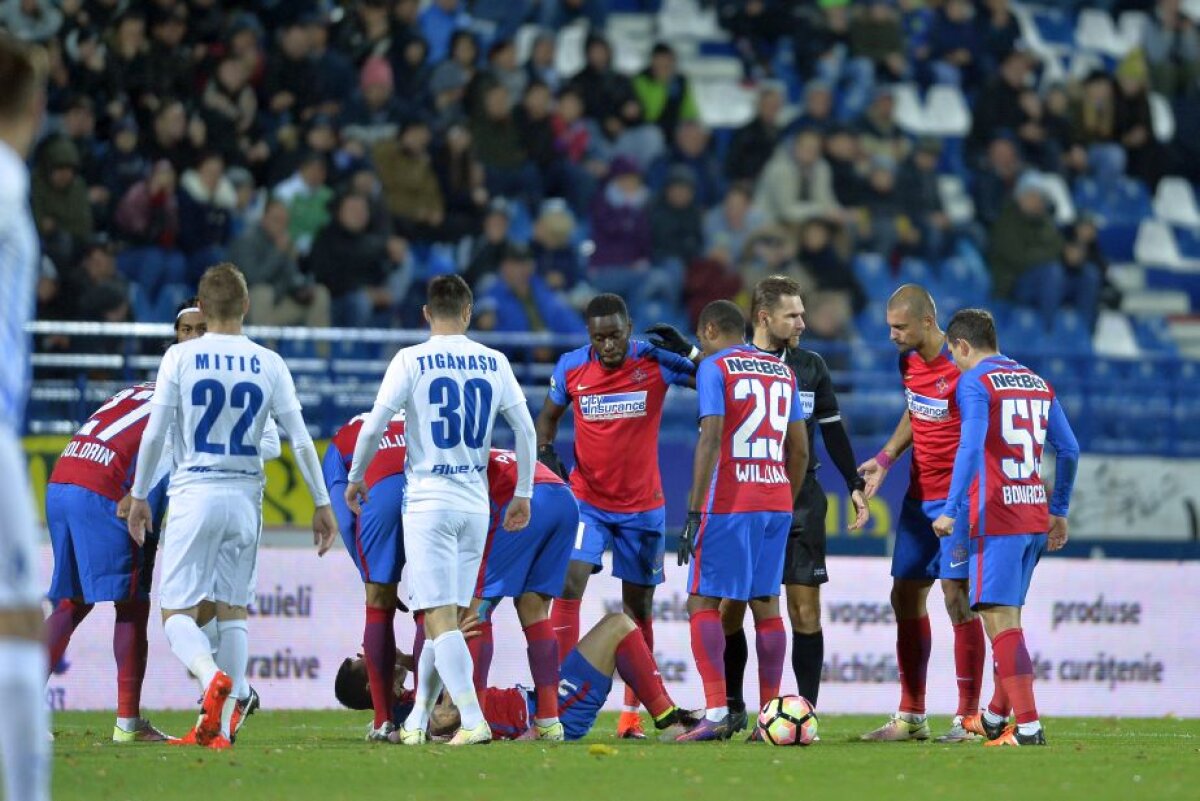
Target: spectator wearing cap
(60, 199)
(554, 248)
(752, 145)
(229, 108)
(490, 245)
(439, 21)
(727, 227)
(501, 150)
(31, 20)
(290, 85)
(410, 184)
(676, 221)
(375, 113)
(307, 195)
(147, 218)
(665, 95)
(121, 163)
(797, 183)
(691, 149)
(1026, 258)
(280, 294)
(876, 35)
(207, 201)
(879, 135)
(367, 274)
(520, 301)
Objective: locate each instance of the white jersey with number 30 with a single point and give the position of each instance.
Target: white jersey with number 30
(223, 389)
(450, 388)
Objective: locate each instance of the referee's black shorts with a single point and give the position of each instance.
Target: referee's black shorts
(805, 560)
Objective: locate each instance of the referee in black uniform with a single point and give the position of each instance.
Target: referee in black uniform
(777, 314)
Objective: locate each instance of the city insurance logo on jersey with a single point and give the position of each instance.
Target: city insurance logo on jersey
(615, 406)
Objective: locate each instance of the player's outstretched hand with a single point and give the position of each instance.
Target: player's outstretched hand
(517, 516)
(687, 543)
(549, 457)
(943, 526)
(139, 520)
(873, 474)
(668, 337)
(468, 624)
(1056, 537)
(325, 529)
(861, 512)
(123, 507)
(354, 491)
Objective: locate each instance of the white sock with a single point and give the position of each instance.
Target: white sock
(911, 717)
(544, 722)
(429, 687)
(992, 718)
(213, 633)
(231, 658)
(1029, 728)
(25, 724)
(129, 724)
(190, 646)
(626, 708)
(716, 714)
(453, 663)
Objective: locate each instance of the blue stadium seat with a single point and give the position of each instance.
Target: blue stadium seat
(874, 274)
(1071, 333)
(1116, 239)
(1055, 27)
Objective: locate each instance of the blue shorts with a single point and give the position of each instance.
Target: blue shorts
(921, 554)
(638, 541)
(94, 556)
(1002, 567)
(582, 691)
(533, 560)
(375, 539)
(740, 555)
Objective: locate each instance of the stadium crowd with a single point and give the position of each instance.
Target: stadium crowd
(341, 153)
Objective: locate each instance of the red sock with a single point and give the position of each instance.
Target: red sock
(61, 624)
(770, 642)
(913, 642)
(647, 629)
(129, 649)
(482, 648)
(379, 651)
(969, 653)
(418, 644)
(708, 649)
(1016, 673)
(999, 704)
(636, 667)
(543, 666)
(564, 616)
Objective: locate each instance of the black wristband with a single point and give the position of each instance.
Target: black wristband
(858, 484)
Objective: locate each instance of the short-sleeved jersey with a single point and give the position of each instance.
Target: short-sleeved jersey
(618, 413)
(502, 476)
(450, 389)
(933, 409)
(1008, 496)
(18, 277)
(102, 456)
(222, 388)
(388, 461)
(756, 394)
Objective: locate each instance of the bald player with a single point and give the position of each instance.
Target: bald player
(930, 425)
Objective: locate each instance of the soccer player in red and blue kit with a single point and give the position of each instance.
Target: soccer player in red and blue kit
(930, 425)
(750, 464)
(374, 540)
(617, 385)
(1008, 414)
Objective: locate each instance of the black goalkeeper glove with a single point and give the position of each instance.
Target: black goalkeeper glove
(668, 337)
(549, 457)
(687, 543)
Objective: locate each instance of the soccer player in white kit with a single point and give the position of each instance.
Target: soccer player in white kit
(450, 389)
(217, 391)
(24, 726)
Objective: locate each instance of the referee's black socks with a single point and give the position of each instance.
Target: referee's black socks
(808, 660)
(736, 654)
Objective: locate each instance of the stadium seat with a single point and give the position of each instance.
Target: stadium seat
(568, 53)
(1175, 202)
(1071, 334)
(1156, 244)
(956, 201)
(1116, 240)
(946, 112)
(712, 68)
(909, 113)
(1131, 26)
(872, 273)
(1162, 117)
(1060, 196)
(1095, 30)
(724, 104)
(1054, 28)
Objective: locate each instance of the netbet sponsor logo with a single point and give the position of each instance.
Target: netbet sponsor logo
(934, 410)
(757, 366)
(1002, 381)
(615, 406)
(1097, 613)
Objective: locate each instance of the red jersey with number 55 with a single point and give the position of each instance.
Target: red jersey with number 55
(102, 456)
(756, 394)
(502, 476)
(929, 394)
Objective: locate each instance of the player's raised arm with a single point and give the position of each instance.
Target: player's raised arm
(875, 469)
(516, 413)
(150, 452)
(968, 460)
(1066, 462)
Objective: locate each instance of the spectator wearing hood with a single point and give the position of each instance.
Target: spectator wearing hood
(665, 95)
(59, 198)
(519, 300)
(207, 201)
(797, 184)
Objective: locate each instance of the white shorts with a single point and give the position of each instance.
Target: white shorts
(444, 550)
(210, 546)
(20, 586)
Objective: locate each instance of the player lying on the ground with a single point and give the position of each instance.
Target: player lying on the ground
(1008, 414)
(615, 644)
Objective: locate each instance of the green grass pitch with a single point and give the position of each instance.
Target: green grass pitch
(322, 756)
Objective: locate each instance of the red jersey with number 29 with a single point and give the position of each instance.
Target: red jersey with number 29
(102, 456)
(929, 389)
(756, 394)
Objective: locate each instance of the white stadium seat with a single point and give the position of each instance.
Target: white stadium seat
(946, 112)
(909, 113)
(1095, 31)
(1155, 245)
(1060, 196)
(568, 56)
(1175, 202)
(1162, 117)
